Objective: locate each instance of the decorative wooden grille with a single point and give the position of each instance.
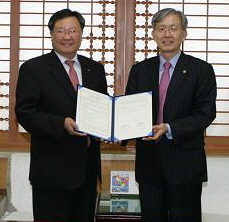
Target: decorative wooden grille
(4, 64)
(118, 34)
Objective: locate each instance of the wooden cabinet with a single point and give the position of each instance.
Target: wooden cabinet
(111, 208)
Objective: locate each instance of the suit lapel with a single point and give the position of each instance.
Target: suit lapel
(58, 71)
(179, 74)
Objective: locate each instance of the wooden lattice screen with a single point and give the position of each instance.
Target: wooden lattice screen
(118, 34)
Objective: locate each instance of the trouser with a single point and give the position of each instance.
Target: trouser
(161, 201)
(66, 205)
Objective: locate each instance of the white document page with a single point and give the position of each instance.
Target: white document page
(133, 116)
(94, 113)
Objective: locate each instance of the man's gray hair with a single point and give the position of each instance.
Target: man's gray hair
(166, 11)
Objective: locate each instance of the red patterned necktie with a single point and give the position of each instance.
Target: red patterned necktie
(72, 73)
(163, 86)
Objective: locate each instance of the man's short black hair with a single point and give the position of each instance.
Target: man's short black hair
(63, 14)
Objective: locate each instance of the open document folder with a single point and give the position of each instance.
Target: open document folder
(114, 118)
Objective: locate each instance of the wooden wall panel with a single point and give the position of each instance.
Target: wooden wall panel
(3, 173)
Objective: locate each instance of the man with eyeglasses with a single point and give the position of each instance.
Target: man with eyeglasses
(65, 164)
(171, 164)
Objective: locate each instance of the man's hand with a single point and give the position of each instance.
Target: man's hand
(158, 131)
(71, 126)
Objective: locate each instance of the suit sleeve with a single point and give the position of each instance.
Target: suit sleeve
(132, 86)
(29, 108)
(102, 79)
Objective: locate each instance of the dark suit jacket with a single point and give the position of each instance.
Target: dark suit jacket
(44, 98)
(189, 108)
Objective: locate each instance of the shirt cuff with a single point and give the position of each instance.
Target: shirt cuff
(169, 133)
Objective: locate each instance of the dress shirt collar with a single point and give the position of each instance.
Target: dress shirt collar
(173, 61)
(63, 59)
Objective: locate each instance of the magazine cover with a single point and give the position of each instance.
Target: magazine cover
(119, 206)
(123, 182)
(125, 205)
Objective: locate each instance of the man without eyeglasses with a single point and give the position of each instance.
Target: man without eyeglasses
(171, 164)
(65, 164)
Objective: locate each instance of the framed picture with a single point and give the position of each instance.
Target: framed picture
(123, 182)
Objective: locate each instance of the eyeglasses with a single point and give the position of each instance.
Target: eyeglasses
(62, 32)
(173, 29)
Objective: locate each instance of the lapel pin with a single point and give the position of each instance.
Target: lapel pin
(184, 71)
(88, 70)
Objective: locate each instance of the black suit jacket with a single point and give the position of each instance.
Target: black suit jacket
(189, 108)
(44, 98)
